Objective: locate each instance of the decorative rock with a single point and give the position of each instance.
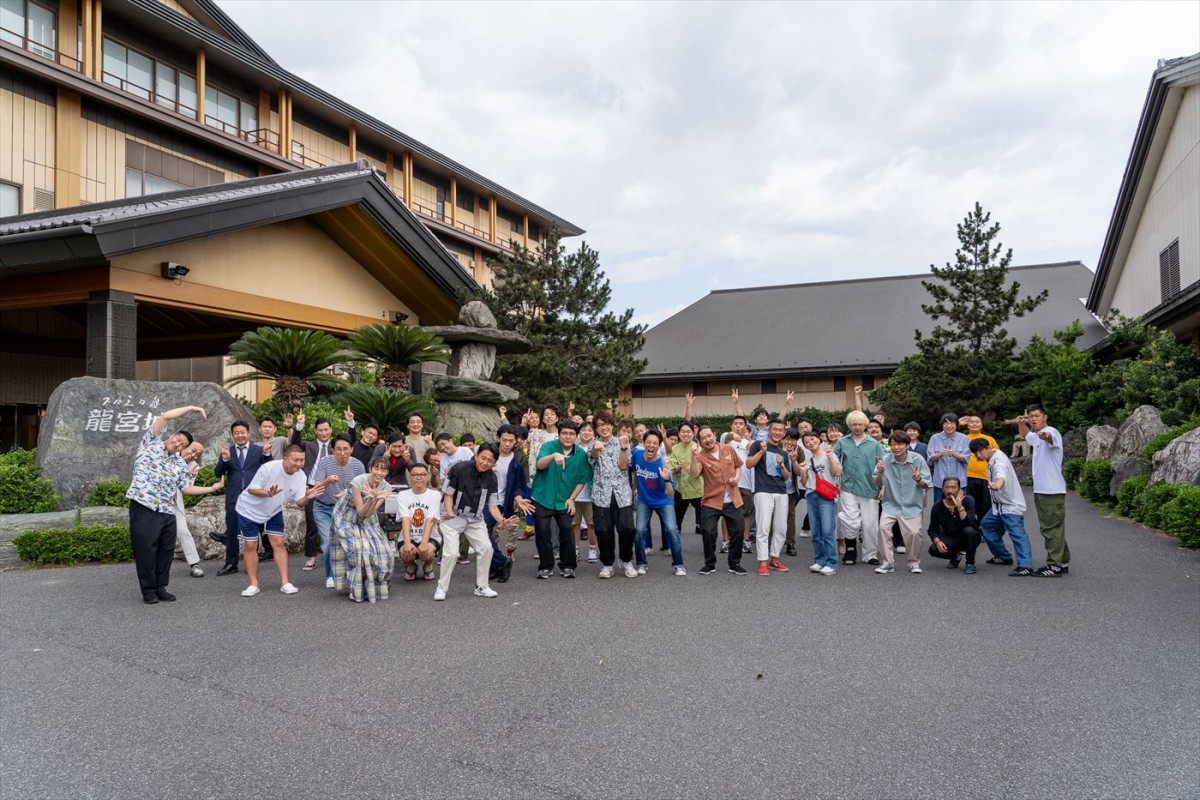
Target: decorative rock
(452, 388)
(1124, 468)
(1179, 462)
(93, 426)
(1074, 443)
(474, 360)
(1142, 425)
(208, 516)
(458, 418)
(505, 341)
(477, 315)
(1100, 441)
(1023, 467)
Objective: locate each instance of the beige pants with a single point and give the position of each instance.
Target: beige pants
(910, 531)
(477, 535)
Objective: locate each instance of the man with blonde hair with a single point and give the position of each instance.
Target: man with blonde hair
(858, 502)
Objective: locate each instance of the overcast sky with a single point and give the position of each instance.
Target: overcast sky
(712, 145)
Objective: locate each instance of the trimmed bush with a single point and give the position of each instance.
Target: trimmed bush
(1163, 439)
(18, 458)
(1155, 500)
(1131, 495)
(103, 543)
(24, 491)
(1182, 516)
(1072, 469)
(1095, 479)
(109, 493)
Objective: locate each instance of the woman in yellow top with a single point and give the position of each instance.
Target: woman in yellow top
(977, 474)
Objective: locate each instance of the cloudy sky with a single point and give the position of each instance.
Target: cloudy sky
(710, 145)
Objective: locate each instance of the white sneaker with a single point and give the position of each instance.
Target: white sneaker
(901, 549)
(630, 570)
(607, 572)
(481, 591)
(593, 555)
(287, 588)
(196, 571)
(641, 569)
(828, 571)
(915, 569)
(815, 568)
(439, 593)
(804, 534)
(329, 584)
(680, 571)
(250, 591)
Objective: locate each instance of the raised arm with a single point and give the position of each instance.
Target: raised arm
(737, 406)
(161, 420)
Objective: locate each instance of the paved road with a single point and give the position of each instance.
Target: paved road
(856, 686)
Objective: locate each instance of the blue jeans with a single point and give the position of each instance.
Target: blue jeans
(822, 518)
(994, 526)
(670, 531)
(323, 516)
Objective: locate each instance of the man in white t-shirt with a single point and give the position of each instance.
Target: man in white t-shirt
(418, 508)
(451, 454)
(1049, 488)
(260, 510)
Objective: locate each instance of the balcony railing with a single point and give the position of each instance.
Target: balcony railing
(39, 49)
(301, 157)
(265, 138)
(149, 95)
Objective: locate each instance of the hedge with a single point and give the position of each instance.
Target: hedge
(103, 543)
(1155, 499)
(1131, 496)
(1072, 469)
(1094, 480)
(22, 489)
(1182, 516)
(109, 493)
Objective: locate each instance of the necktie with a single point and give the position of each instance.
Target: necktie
(322, 453)
(241, 456)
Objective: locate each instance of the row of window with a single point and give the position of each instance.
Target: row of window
(29, 25)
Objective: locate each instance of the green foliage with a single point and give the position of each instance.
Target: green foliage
(1094, 480)
(1155, 500)
(1182, 516)
(103, 543)
(294, 359)
(388, 409)
(312, 410)
(1163, 439)
(1072, 469)
(1164, 372)
(22, 489)
(109, 493)
(558, 300)
(205, 477)
(1131, 495)
(396, 348)
(1062, 378)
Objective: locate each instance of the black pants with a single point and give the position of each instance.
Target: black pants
(152, 535)
(232, 545)
(978, 489)
(545, 521)
(681, 507)
(607, 519)
(709, 521)
(967, 541)
(312, 541)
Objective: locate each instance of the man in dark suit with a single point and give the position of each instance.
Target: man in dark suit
(238, 464)
(313, 452)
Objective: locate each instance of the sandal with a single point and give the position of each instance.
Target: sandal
(410, 574)
(429, 575)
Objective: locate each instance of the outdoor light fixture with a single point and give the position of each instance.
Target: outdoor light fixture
(397, 317)
(173, 271)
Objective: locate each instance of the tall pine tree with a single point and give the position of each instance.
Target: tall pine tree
(581, 351)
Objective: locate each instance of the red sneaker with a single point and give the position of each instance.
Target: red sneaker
(762, 568)
(778, 566)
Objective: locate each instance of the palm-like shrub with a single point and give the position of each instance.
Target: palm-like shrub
(397, 348)
(293, 359)
(389, 410)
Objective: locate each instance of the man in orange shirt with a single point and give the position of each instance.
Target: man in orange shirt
(721, 468)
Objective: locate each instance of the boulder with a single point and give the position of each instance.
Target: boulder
(458, 418)
(505, 341)
(1179, 462)
(1100, 441)
(1142, 425)
(1124, 468)
(473, 360)
(454, 389)
(1074, 444)
(93, 426)
(477, 315)
(1023, 466)
(208, 516)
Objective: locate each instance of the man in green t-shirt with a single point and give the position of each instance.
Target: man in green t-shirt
(562, 470)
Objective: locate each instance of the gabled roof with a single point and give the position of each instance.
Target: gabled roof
(90, 235)
(833, 327)
(210, 13)
(1158, 115)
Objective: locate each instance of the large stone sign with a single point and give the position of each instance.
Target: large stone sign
(93, 426)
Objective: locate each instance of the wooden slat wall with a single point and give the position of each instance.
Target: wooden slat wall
(27, 143)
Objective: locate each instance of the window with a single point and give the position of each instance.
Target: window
(144, 77)
(29, 25)
(770, 386)
(138, 183)
(465, 200)
(149, 170)
(10, 200)
(699, 389)
(228, 112)
(1168, 271)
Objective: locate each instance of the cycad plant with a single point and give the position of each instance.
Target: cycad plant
(293, 359)
(387, 409)
(397, 348)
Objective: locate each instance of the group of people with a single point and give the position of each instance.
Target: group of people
(566, 480)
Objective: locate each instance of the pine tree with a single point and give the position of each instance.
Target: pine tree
(581, 351)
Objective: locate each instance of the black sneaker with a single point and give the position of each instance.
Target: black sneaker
(1050, 571)
(543, 574)
(707, 570)
(790, 550)
(568, 573)
(1000, 562)
(1021, 572)
(737, 569)
(746, 548)
(874, 562)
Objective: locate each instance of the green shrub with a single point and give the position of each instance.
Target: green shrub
(109, 493)
(1155, 499)
(1163, 439)
(1182, 516)
(1072, 469)
(23, 491)
(1130, 496)
(205, 477)
(103, 543)
(18, 458)
(1095, 479)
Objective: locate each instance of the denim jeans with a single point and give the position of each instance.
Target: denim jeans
(670, 531)
(822, 518)
(994, 526)
(323, 516)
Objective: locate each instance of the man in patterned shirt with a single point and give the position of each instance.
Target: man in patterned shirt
(612, 496)
(159, 473)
